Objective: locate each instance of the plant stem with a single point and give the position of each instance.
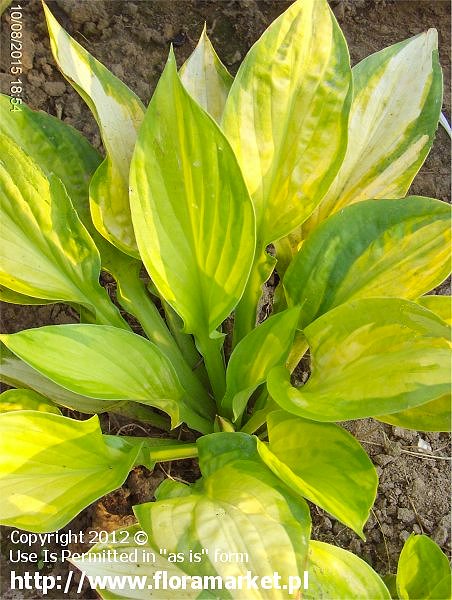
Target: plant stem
(186, 344)
(168, 453)
(134, 298)
(246, 310)
(264, 405)
(211, 349)
(105, 312)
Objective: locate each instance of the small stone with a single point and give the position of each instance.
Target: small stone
(383, 459)
(326, 522)
(89, 29)
(47, 69)
(404, 535)
(417, 529)
(441, 534)
(118, 70)
(404, 434)
(417, 488)
(406, 515)
(35, 78)
(54, 88)
(131, 9)
(236, 57)
(424, 445)
(427, 524)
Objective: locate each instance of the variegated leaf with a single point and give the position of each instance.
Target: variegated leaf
(286, 116)
(89, 360)
(369, 357)
(205, 77)
(193, 218)
(60, 149)
(119, 113)
(431, 416)
(393, 119)
(51, 467)
(387, 248)
(26, 400)
(46, 251)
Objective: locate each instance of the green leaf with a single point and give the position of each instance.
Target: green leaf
(26, 400)
(142, 561)
(402, 348)
(51, 467)
(89, 360)
(13, 297)
(339, 574)
(17, 373)
(46, 251)
(238, 506)
(323, 463)
(119, 113)
(440, 305)
(60, 149)
(393, 119)
(372, 249)
(423, 572)
(431, 416)
(206, 78)
(265, 347)
(286, 115)
(193, 217)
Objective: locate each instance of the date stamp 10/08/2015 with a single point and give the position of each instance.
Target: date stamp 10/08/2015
(16, 52)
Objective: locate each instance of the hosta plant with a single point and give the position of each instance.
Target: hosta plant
(299, 165)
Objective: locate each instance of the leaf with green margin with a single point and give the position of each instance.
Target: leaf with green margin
(106, 363)
(440, 305)
(393, 120)
(12, 297)
(193, 217)
(431, 416)
(119, 113)
(60, 149)
(237, 506)
(324, 463)
(148, 564)
(286, 116)
(372, 249)
(206, 78)
(369, 356)
(46, 251)
(26, 400)
(17, 373)
(265, 347)
(339, 574)
(423, 571)
(51, 467)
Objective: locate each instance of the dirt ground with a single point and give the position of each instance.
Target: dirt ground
(132, 39)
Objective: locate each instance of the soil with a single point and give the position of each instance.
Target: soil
(132, 39)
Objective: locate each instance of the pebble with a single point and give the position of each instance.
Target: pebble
(404, 535)
(54, 88)
(441, 533)
(406, 515)
(383, 459)
(404, 434)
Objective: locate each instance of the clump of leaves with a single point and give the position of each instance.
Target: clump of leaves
(299, 151)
